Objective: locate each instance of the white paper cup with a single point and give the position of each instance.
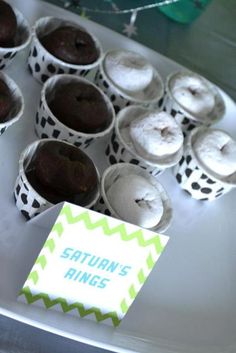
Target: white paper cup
(48, 126)
(42, 64)
(120, 98)
(29, 202)
(122, 169)
(23, 37)
(195, 178)
(187, 120)
(118, 151)
(17, 105)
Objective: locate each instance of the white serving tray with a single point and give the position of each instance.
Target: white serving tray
(189, 302)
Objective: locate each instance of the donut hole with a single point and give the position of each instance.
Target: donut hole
(79, 43)
(138, 201)
(193, 91)
(165, 132)
(79, 99)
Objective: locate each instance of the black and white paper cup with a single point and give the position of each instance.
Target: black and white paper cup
(120, 99)
(187, 120)
(195, 178)
(22, 39)
(42, 64)
(119, 151)
(17, 108)
(111, 174)
(29, 202)
(48, 126)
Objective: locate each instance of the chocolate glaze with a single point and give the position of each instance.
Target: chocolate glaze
(8, 25)
(72, 45)
(81, 107)
(60, 172)
(5, 102)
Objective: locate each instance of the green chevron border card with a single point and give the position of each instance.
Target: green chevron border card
(92, 265)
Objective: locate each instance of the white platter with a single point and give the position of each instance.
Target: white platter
(189, 302)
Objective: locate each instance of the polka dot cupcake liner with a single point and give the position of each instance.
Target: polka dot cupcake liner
(120, 99)
(185, 119)
(42, 64)
(187, 124)
(118, 151)
(119, 102)
(28, 201)
(195, 179)
(17, 108)
(48, 126)
(110, 175)
(22, 40)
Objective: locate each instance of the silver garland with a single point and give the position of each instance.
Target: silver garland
(76, 3)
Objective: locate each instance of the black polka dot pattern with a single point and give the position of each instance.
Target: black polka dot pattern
(55, 133)
(101, 207)
(179, 178)
(27, 201)
(187, 124)
(34, 52)
(117, 101)
(51, 68)
(42, 67)
(35, 204)
(37, 67)
(116, 153)
(196, 186)
(6, 58)
(46, 126)
(2, 130)
(7, 55)
(188, 172)
(25, 214)
(195, 182)
(43, 77)
(24, 198)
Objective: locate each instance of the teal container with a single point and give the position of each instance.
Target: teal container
(184, 11)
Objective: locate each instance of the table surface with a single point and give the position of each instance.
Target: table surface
(207, 46)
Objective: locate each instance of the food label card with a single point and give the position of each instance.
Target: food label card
(92, 265)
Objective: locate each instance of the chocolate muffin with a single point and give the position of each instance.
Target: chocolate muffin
(8, 25)
(61, 172)
(81, 107)
(5, 102)
(71, 45)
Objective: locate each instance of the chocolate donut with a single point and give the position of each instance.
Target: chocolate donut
(81, 107)
(61, 172)
(71, 45)
(5, 101)
(8, 25)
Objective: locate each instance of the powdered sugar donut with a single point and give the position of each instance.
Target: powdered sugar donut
(194, 94)
(155, 134)
(128, 70)
(143, 203)
(217, 151)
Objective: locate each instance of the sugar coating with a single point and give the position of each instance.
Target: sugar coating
(155, 134)
(136, 200)
(194, 94)
(217, 150)
(128, 70)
